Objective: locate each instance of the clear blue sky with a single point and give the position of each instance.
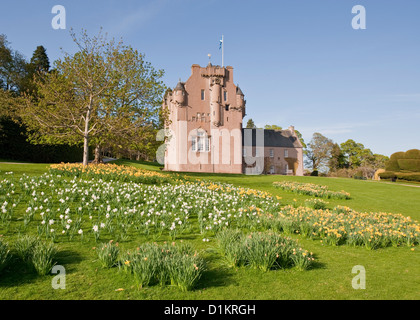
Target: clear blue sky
(298, 62)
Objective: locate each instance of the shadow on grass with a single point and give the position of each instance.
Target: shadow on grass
(67, 258)
(317, 265)
(16, 273)
(19, 272)
(218, 277)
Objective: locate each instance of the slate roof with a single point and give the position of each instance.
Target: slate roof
(239, 91)
(274, 138)
(179, 86)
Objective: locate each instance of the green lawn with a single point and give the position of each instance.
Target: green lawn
(391, 273)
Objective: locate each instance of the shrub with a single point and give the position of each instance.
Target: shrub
(412, 154)
(314, 173)
(409, 160)
(342, 173)
(408, 176)
(108, 254)
(392, 165)
(409, 164)
(4, 255)
(397, 155)
(43, 257)
(387, 175)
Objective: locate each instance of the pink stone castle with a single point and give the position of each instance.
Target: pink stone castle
(205, 131)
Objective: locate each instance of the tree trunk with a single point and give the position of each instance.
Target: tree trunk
(98, 155)
(85, 150)
(86, 134)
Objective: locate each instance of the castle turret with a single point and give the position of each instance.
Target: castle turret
(215, 101)
(179, 94)
(240, 102)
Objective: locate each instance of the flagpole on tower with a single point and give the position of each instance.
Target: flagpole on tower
(223, 45)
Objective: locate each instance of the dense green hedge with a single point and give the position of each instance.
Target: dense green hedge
(412, 154)
(390, 175)
(404, 161)
(14, 146)
(387, 175)
(409, 164)
(392, 165)
(408, 176)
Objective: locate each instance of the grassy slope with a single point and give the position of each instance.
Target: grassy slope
(392, 273)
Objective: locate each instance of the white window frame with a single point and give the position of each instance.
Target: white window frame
(286, 153)
(201, 142)
(207, 144)
(271, 153)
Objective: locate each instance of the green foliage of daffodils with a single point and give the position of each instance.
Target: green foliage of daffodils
(4, 255)
(311, 189)
(108, 254)
(262, 250)
(43, 257)
(177, 265)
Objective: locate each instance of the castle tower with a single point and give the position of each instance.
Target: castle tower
(205, 121)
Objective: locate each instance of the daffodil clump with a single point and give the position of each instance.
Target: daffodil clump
(311, 189)
(316, 203)
(168, 264)
(109, 172)
(262, 250)
(345, 226)
(108, 254)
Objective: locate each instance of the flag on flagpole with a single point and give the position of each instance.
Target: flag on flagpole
(220, 43)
